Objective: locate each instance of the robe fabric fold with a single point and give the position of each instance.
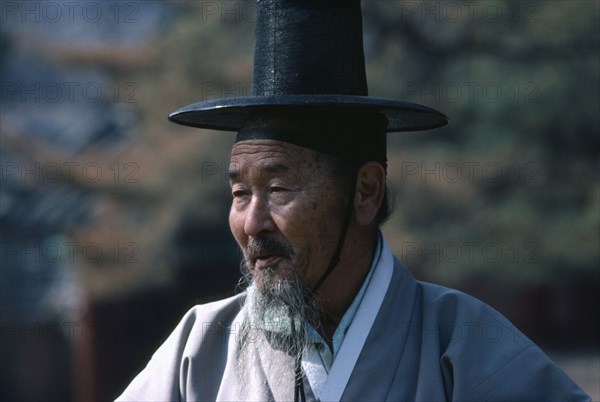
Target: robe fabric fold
(427, 343)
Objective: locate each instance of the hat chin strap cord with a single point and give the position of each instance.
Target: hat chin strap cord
(299, 395)
(335, 259)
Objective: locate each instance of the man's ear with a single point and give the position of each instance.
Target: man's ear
(370, 190)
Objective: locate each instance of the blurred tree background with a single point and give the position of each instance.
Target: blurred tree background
(114, 221)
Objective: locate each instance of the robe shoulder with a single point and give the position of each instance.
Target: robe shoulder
(483, 356)
(203, 331)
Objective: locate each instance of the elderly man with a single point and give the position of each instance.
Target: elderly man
(329, 314)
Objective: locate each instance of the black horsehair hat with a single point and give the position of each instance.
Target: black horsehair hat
(309, 67)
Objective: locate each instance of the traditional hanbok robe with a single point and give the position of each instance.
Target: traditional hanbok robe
(409, 341)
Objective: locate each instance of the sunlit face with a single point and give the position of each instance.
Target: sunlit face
(286, 211)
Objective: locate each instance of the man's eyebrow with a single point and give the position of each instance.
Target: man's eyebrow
(234, 174)
(275, 168)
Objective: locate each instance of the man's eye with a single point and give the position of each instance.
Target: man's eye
(239, 193)
(277, 189)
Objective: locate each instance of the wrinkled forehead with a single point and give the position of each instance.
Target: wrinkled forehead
(266, 159)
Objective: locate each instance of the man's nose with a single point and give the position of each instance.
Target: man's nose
(258, 217)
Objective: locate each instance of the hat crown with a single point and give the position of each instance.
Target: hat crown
(308, 54)
(309, 47)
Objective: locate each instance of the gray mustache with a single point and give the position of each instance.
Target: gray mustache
(268, 246)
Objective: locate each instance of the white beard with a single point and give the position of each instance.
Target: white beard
(272, 336)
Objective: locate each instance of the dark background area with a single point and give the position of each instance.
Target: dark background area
(114, 222)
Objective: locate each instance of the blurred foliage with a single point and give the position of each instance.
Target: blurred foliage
(507, 192)
(181, 181)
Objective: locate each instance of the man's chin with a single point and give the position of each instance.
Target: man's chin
(271, 280)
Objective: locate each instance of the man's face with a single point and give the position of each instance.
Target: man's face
(286, 211)
(286, 215)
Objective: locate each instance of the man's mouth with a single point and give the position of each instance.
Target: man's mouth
(267, 253)
(267, 261)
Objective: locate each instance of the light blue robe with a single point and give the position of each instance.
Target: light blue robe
(427, 343)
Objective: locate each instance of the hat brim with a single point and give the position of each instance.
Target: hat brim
(230, 114)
